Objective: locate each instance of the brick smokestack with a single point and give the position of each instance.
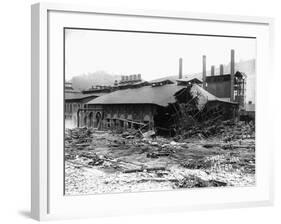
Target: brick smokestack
(204, 72)
(232, 70)
(180, 68)
(221, 69)
(212, 70)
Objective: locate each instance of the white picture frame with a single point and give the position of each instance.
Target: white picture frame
(47, 200)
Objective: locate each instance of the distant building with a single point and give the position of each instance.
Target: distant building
(226, 82)
(227, 86)
(130, 81)
(220, 86)
(98, 89)
(189, 80)
(160, 82)
(75, 100)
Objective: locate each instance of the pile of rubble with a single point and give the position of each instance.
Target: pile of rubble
(78, 138)
(228, 130)
(210, 154)
(193, 181)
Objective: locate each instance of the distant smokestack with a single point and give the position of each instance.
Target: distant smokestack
(180, 68)
(221, 69)
(204, 72)
(212, 70)
(232, 70)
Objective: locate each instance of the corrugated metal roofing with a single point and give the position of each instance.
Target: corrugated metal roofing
(162, 96)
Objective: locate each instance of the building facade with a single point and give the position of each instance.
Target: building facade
(73, 102)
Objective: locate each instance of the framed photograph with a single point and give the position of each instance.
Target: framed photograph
(138, 111)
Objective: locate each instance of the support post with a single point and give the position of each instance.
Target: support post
(78, 119)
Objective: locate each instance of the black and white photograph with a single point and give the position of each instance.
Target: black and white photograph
(156, 111)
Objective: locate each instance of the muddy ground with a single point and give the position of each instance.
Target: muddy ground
(115, 161)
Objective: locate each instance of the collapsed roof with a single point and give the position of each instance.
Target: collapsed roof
(203, 96)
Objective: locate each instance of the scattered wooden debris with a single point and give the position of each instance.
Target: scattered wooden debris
(194, 181)
(157, 154)
(136, 157)
(144, 169)
(197, 164)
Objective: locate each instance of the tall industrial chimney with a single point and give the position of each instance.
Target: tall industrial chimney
(204, 72)
(221, 69)
(212, 70)
(180, 68)
(232, 70)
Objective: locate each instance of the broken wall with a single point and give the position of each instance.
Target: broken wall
(192, 107)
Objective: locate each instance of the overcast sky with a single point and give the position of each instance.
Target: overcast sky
(152, 55)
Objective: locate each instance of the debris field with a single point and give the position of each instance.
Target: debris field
(221, 154)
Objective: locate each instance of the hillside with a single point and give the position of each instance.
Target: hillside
(86, 81)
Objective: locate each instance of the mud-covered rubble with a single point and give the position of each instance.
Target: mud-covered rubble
(110, 161)
(228, 130)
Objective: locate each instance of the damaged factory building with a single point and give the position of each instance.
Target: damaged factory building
(167, 106)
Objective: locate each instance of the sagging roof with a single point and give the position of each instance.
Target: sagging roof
(161, 96)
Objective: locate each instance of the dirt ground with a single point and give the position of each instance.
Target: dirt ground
(112, 162)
